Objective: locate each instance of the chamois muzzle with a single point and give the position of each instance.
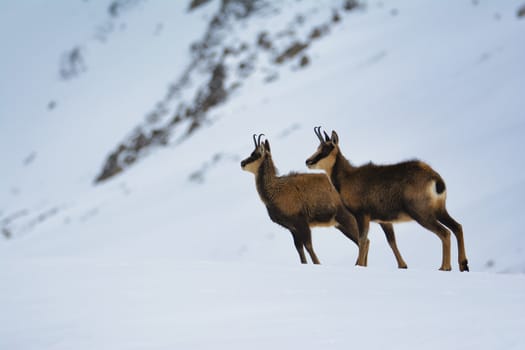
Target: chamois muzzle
(310, 162)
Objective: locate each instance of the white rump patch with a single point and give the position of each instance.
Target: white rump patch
(433, 192)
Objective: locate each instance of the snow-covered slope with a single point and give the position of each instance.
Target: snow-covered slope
(439, 81)
(159, 304)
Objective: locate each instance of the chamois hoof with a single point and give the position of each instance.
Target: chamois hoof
(445, 269)
(403, 266)
(463, 266)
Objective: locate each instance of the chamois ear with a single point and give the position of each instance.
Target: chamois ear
(335, 138)
(267, 146)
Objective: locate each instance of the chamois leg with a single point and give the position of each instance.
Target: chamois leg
(457, 229)
(307, 241)
(347, 224)
(391, 238)
(363, 222)
(433, 225)
(347, 233)
(298, 242)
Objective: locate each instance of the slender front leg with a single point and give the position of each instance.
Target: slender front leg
(307, 241)
(391, 238)
(298, 242)
(363, 222)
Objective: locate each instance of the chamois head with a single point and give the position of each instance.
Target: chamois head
(324, 156)
(255, 159)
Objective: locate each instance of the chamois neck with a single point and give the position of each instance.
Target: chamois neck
(267, 169)
(265, 178)
(341, 167)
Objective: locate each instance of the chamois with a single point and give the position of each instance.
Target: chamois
(386, 194)
(299, 201)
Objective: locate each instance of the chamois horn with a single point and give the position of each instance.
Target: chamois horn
(317, 131)
(259, 139)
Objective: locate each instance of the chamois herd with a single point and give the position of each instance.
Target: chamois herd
(350, 197)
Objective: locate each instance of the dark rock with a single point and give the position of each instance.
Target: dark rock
(160, 136)
(194, 126)
(197, 3)
(317, 32)
(304, 61)
(521, 12)
(111, 167)
(350, 5)
(246, 67)
(335, 17)
(72, 63)
(139, 142)
(215, 92)
(116, 7)
(227, 51)
(271, 77)
(30, 158)
(291, 52)
(130, 159)
(7, 234)
(264, 41)
(113, 9)
(176, 119)
(239, 8)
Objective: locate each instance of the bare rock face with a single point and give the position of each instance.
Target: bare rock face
(224, 64)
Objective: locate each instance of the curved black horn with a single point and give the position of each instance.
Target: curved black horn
(317, 131)
(259, 139)
(255, 140)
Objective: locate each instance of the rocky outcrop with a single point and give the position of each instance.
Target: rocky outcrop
(226, 63)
